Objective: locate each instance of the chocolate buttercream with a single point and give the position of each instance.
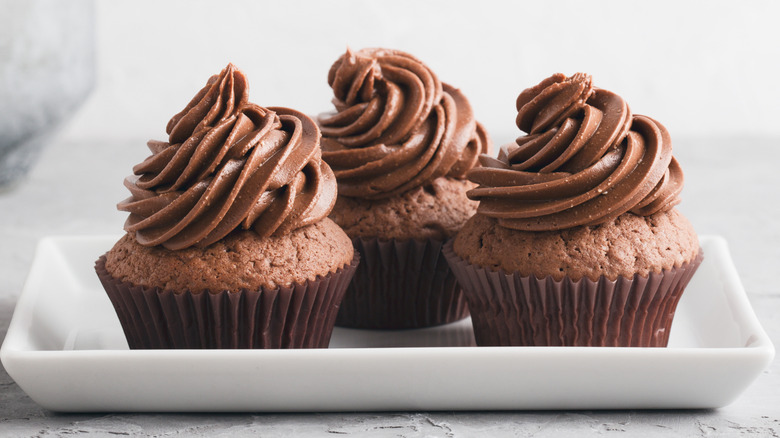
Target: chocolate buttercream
(229, 163)
(396, 125)
(584, 161)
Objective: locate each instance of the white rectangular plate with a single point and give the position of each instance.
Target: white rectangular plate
(65, 348)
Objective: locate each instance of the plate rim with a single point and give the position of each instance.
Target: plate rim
(758, 354)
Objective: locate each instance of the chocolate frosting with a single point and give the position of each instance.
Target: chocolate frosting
(585, 160)
(228, 163)
(396, 125)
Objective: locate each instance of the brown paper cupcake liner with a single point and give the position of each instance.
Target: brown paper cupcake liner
(299, 316)
(508, 309)
(401, 284)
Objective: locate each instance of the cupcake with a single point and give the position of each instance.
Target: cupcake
(400, 143)
(576, 240)
(228, 243)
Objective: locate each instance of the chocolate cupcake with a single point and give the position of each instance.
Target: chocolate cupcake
(576, 240)
(228, 243)
(400, 143)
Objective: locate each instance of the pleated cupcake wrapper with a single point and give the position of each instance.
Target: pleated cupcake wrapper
(401, 284)
(299, 316)
(508, 309)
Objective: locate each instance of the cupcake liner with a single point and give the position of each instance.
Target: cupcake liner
(511, 309)
(299, 316)
(401, 284)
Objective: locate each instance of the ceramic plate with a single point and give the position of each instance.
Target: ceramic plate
(65, 348)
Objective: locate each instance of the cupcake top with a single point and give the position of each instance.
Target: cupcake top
(228, 164)
(396, 125)
(585, 160)
(436, 211)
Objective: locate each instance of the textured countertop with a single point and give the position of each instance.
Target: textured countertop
(731, 190)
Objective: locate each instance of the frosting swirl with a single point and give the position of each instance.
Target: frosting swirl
(396, 125)
(585, 161)
(228, 163)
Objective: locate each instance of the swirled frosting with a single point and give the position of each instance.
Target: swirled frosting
(396, 125)
(228, 163)
(585, 161)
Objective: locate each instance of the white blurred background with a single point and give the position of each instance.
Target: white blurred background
(704, 69)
